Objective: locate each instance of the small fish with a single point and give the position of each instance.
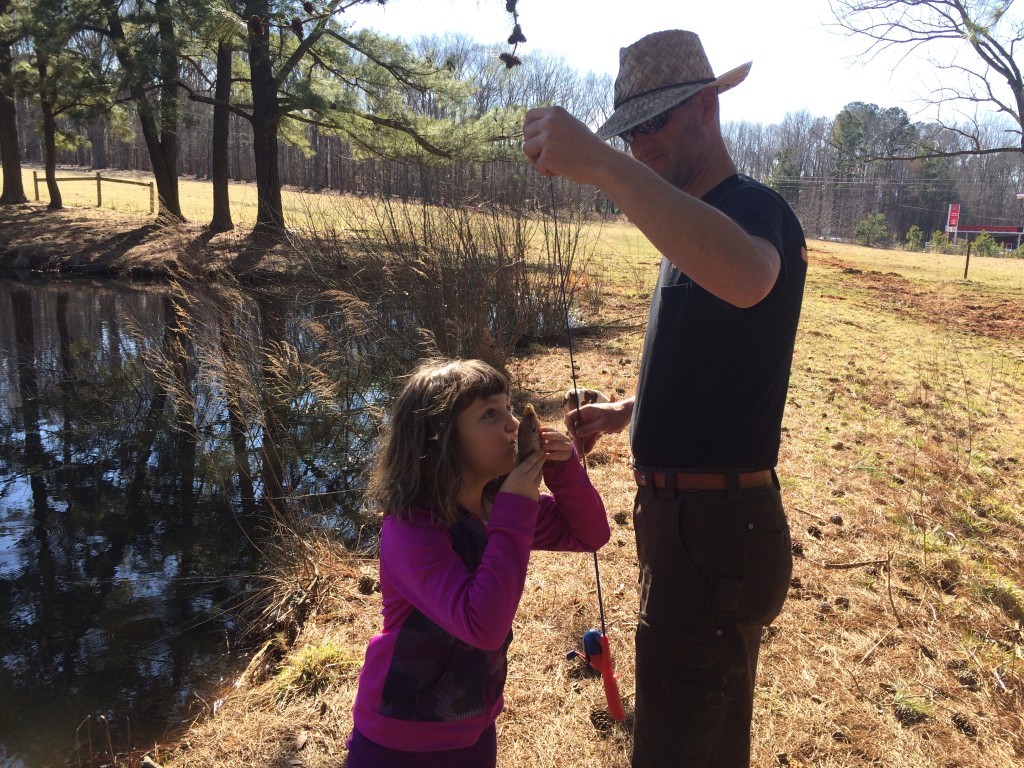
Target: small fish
(528, 439)
(586, 397)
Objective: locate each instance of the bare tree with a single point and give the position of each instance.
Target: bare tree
(986, 28)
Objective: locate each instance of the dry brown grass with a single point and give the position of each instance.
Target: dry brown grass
(903, 468)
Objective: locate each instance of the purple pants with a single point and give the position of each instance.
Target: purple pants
(363, 753)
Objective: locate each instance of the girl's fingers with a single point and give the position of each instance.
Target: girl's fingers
(534, 464)
(525, 479)
(557, 445)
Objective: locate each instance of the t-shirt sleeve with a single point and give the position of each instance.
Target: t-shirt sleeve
(758, 213)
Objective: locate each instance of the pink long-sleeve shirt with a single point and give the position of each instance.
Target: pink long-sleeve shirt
(434, 677)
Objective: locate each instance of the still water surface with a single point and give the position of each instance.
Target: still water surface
(128, 504)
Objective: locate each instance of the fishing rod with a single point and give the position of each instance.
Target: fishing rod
(596, 648)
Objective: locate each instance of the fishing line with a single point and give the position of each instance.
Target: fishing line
(563, 277)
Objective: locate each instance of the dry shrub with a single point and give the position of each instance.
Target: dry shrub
(464, 282)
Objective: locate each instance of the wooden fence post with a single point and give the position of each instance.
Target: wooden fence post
(99, 191)
(152, 199)
(968, 262)
(35, 182)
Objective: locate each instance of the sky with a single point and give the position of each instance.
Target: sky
(801, 61)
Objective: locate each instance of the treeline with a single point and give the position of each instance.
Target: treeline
(290, 72)
(289, 93)
(318, 159)
(870, 162)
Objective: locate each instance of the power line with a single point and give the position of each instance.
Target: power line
(898, 183)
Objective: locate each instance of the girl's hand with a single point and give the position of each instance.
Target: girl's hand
(525, 479)
(557, 445)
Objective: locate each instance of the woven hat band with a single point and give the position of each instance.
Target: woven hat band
(708, 81)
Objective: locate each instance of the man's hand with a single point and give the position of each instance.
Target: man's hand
(560, 145)
(588, 423)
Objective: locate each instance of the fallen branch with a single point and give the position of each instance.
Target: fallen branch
(995, 673)
(843, 566)
(872, 648)
(888, 589)
(886, 564)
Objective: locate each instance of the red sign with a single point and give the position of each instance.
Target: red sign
(954, 216)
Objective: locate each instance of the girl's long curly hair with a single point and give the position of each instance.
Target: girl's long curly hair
(417, 462)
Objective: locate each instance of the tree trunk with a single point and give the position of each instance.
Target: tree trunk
(49, 132)
(221, 221)
(269, 212)
(164, 167)
(10, 152)
(169, 106)
(314, 179)
(265, 114)
(98, 144)
(160, 133)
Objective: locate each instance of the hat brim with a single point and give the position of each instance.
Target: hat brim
(646, 106)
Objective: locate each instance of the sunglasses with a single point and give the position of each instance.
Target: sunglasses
(651, 125)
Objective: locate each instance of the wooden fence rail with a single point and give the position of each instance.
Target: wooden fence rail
(99, 179)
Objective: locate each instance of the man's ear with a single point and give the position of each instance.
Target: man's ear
(707, 103)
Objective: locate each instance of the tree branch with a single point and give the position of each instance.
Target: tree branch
(912, 24)
(385, 122)
(199, 98)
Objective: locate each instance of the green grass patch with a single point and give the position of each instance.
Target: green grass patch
(314, 668)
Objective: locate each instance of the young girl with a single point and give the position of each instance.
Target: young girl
(460, 519)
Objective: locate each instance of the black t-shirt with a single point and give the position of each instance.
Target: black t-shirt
(714, 378)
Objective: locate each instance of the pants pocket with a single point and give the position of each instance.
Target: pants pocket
(767, 572)
(672, 589)
(749, 561)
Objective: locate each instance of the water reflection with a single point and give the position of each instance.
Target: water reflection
(144, 438)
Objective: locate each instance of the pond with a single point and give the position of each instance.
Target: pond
(142, 457)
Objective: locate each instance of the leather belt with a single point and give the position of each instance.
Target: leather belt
(703, 481)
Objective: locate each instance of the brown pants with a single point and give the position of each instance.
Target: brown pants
(714, 571)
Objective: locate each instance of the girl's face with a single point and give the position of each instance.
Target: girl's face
(486, 438)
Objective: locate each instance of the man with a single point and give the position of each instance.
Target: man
(712, 536)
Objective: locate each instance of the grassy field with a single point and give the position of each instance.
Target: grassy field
(900, 644)
(196, 196)
(902, 465)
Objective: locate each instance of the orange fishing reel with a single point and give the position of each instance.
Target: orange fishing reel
(598, 655)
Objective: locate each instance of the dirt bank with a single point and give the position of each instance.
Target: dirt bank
(88, 241)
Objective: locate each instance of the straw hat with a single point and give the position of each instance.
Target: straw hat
(658, 72)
